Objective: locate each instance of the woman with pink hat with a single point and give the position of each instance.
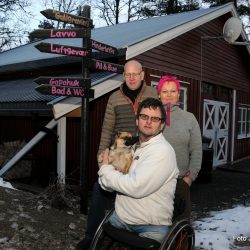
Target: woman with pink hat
(182, 131)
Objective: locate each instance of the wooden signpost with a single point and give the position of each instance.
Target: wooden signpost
(59, 33)
(73, 86)
(105, 66)
(64, 81)
(102, 47)
(68, 18)
(62, 49)
(65, 91)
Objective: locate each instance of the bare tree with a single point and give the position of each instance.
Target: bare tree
(13, 23)
(243, 8)
(117, 11)
(163, 7)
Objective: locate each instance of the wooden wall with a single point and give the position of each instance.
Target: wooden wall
(193, 89)
(14, 128)
(96, 116)
(190, 57)
(212, 60)
(24, 128)
(242, 146)
(199, 60)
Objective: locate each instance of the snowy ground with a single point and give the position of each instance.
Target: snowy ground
(5, 184)
(227, 229)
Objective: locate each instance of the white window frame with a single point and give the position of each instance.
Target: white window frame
(243, 122)
(248, 122)
(183, 103)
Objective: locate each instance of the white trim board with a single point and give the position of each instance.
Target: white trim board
(71, 103)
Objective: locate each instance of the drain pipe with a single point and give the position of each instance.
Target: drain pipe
(233, 126)
(26, 148)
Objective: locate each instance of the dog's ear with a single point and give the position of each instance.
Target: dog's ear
(132, 141)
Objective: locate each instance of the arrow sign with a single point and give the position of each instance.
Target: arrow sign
(65, 91)
(103, 47)
(105, 66)
(67, 18)
(60, 33)
(64, 81)
(62, 49)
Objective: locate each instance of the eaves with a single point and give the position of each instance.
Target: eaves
(142, 46)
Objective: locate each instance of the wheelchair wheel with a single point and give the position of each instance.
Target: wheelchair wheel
(104, 242)
(100, 236)
(180, 237)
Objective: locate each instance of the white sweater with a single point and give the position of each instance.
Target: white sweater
(145, 195)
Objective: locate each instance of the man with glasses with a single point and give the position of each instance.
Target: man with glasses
(120, 116)
(145, 196)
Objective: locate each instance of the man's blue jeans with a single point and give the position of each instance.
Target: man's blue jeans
(100, 201)
(155, 232)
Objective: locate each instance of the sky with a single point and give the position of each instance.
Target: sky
(37, 6)
(219, 230)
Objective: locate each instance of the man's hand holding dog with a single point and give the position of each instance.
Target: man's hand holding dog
(118, 161)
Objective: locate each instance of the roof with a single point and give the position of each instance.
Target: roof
(22, 91)
(137, 36)
(27, 93)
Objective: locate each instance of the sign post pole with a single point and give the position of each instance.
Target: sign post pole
(84, 131)
(77, 87)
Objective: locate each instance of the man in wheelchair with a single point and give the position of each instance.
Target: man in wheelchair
(145, 196)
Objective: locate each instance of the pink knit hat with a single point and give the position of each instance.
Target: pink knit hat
(168, 79)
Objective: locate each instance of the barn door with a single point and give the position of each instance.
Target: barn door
(215, 127)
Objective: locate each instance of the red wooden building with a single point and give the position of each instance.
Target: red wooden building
(215, 81)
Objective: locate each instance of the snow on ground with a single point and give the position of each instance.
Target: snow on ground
(223, 229)
(226, 229)
(5, 184)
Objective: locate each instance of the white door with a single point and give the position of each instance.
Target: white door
(215, 127)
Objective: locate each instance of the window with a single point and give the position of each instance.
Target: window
(243, 122)
(183, 94)
(248, 122)
(183, 98)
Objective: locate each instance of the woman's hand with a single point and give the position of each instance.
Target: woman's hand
(188, 180)
(105, 158)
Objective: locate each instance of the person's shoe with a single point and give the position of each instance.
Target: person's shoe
(83, 244)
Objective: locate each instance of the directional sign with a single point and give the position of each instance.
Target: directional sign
(68, 18)
(105, 66)
(65, 91)
(62, 49)
(64, 81)
(60, 33)
(103, 47)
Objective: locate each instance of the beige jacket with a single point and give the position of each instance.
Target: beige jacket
(120, 114)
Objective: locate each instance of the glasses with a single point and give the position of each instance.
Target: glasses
(134, 75)
(152, 118)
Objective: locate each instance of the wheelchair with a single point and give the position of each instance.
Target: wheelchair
(180, 237)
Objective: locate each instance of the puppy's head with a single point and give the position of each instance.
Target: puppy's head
(121, 138)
